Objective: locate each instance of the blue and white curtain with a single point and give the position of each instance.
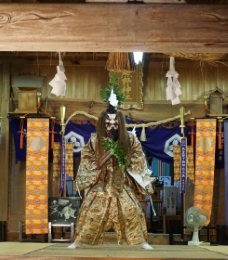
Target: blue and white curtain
(78, 134)
(159, 140)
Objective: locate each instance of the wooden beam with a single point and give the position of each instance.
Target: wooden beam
(4, 147)
(164, 1)
(114, 27)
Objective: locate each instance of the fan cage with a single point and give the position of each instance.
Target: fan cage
(195, 218)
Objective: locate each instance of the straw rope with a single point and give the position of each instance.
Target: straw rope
(129, 125)
(80, 113)
(120, 62)
(210, 58)
(158, 122)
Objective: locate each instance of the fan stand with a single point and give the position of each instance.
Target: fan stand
(195, 239)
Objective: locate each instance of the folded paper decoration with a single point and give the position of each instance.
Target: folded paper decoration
(58, 83)
(173, 89)
(113, 99)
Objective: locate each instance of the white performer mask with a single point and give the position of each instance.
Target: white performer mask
(111, 122)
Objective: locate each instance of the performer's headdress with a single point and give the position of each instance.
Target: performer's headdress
(112, 94)
(114, 124)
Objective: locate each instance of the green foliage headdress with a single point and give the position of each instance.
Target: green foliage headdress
(114, 96)
(113, 88)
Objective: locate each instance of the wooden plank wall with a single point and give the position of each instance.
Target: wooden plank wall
(4, 146)
(195, 81)
(84, 84)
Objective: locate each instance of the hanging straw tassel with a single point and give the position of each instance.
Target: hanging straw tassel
(120, 62)
(143, 135)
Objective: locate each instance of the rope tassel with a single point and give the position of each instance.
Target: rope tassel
(143, 135)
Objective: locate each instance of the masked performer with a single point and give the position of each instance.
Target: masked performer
(110, 163)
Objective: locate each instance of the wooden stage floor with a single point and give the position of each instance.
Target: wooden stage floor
(51, 251)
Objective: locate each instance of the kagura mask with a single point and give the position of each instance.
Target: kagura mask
(111, 126)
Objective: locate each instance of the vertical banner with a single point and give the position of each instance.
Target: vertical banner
(177, 161)
(226, 169)
(36, 209)
(183, 164)
(69, 160)
(63, 165)
(205, 164)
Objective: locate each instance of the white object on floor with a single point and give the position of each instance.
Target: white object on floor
(75, 245)
(145, 245)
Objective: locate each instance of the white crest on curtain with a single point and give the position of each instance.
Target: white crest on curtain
(37, 143)
(58, 83)
(173, 90)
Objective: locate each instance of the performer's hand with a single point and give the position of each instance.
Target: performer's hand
(104, 158)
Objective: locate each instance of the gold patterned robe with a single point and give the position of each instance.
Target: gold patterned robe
(111, 202)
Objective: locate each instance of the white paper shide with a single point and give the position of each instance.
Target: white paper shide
(58, 83)
(173, 89)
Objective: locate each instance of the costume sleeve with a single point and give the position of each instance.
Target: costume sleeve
(138, 160)
(88, 173)
(138, 168)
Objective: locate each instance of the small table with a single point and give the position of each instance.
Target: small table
(50, 235)
(169, 218)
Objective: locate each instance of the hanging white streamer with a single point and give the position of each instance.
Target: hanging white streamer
(58, 83)
(134, 132)
(173, 89)
(113, 99)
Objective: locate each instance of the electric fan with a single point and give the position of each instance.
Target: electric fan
(195, 219)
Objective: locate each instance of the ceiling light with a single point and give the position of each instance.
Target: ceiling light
(138, 57)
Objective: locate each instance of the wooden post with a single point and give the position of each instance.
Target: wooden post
(4, 147)
(192, 133)
(219, 134)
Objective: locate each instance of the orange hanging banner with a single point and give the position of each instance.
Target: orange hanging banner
(36, 208)
(204, 164)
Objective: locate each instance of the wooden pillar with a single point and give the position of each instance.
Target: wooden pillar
(4, 146)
